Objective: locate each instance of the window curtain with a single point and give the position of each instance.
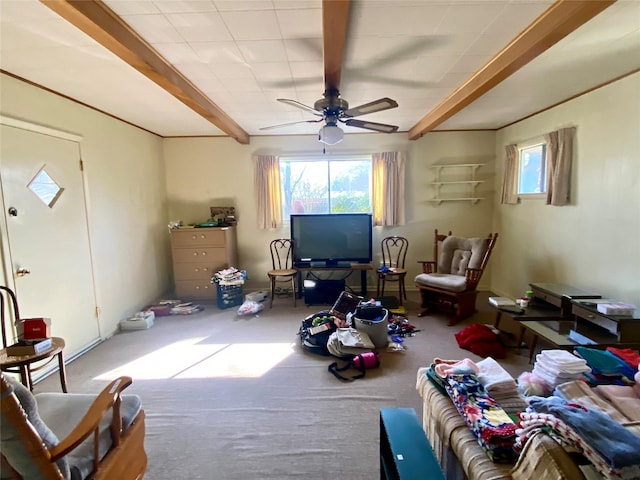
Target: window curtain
(388, 188)
(268, 193)
(559, 158)
(509, 188)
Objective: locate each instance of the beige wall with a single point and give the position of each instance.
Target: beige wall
(126, 197)
(217, 171)
(594, 242)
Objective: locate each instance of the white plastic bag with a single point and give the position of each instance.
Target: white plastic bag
(250, 307)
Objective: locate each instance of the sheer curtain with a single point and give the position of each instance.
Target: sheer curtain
(268, 193)
(388, 188)
(559, 158)
(509, 189)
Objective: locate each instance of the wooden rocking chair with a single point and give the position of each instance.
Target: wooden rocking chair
(101, 436)
(451, 279)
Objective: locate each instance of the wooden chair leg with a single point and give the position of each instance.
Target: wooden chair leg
(273, 291)
(378, 287)
(293, 288)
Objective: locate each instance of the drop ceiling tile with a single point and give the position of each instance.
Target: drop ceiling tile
(241, 84)
(200, 27)
(218, 52)
(300, 23)
(133, 7)
(231, 70)
(259, 51)
(470, 18)
(301, 70)
(304, 49)
(269, 71)
(242, 5)
(154, 28)
(252, 25)
(177, 53)
(184, 6)
(470, 63)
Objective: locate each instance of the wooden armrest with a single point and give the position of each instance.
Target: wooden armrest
(107, 399)
(428, 266)
(472, 276)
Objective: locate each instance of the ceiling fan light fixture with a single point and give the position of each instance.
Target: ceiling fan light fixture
(330, 134)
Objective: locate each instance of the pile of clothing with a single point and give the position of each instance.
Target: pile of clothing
(480, 339)
(472, 386)
(554, 367)
(612, 449)
(607, 367)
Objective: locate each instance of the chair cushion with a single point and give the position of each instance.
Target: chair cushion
(453, 283)
(63, 411)
(457, 254)
(13, 448)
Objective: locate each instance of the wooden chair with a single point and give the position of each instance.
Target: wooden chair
(61, 436)
(282, 266)
(24, 365)
(394, 253)
(452, 278)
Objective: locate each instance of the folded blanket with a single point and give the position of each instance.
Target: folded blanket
(632, 357)
(490, 424)
(494, 377)
(532, 422)
(624, 398)
(580, 393)
(605, 363)
(616, 445)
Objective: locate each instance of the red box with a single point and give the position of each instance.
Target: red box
(34, 328)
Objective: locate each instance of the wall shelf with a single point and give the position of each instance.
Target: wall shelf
(468, 180)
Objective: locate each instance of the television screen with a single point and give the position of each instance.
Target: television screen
(331, 238)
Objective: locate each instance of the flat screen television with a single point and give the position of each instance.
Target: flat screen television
(331, 239)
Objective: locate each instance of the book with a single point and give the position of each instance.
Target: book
(501, 302)
(29, 347)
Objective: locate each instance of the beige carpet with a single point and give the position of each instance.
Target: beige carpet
(231, 397)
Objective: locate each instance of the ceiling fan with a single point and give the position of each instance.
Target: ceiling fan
(332, 109)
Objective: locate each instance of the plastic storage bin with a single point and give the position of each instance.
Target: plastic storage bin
(229, 295)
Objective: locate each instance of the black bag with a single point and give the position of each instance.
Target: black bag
(360, 362)
(315, 331)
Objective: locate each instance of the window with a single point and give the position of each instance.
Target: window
(532, 169)
(319, 185)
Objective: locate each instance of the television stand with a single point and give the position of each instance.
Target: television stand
(337, 264)
(359, 267)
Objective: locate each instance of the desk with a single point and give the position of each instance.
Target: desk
(22, 364)
(363, 268)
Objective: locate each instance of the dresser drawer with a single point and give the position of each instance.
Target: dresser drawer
(552, 299)
(214, 257)
(193, 271)
(195, 289)
(595, 318)
(197, 237)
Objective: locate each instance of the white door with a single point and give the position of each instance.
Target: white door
(47, 233)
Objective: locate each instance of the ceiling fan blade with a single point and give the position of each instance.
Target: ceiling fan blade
(289, 124)
(378, 127)
(371, 107)
(335, 17)
(295, 103)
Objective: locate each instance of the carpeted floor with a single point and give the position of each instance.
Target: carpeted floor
(231, 397)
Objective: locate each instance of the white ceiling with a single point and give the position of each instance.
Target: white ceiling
(244, 54)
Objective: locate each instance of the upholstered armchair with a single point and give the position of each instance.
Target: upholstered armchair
(451, 279)
(66, 436)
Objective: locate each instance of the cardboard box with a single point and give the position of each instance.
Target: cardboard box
(29, 347)
(34, 328)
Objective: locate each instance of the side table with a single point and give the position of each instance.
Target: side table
(22, 364)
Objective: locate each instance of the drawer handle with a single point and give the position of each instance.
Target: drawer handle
(205, 269)
(203, 236)
(197, 269)
(195, 254)
(204, 254)
(197, 287)
(591, 316)
(193, 237)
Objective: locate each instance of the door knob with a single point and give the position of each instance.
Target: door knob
(21, 272)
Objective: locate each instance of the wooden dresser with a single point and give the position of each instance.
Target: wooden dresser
(197, 254)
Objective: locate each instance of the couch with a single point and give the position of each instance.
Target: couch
(460, 455)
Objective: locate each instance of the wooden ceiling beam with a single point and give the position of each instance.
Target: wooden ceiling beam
(558, 21)
(99, 22)
(335, 19)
